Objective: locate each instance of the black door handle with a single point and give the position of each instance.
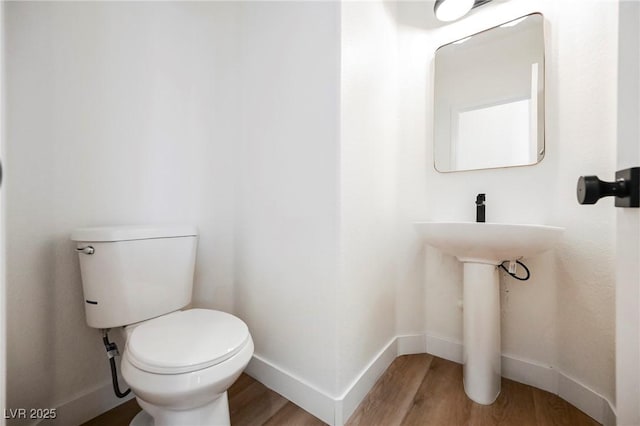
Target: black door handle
(626, 188)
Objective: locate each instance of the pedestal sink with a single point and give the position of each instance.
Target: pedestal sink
(481, 247)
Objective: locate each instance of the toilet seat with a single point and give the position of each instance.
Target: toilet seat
(186, 341)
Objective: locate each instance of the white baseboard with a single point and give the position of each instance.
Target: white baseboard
(411, 344)
(444, 348)
(539, 376)
(609, 415)
(585, 399)
(295, 389)
(85, 406)
(361, 385)
(333, 410)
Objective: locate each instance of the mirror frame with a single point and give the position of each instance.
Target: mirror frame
(541, 99)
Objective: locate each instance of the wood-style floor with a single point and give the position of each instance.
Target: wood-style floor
(415, 390)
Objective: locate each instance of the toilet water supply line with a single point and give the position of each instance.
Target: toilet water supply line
(112, 352)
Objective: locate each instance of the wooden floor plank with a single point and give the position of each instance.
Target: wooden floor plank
(240, 385)
(389, 400)
(554, 411)
(119, 416)
(254, 405)
(514, 406)
(293, 415)
(440, 399)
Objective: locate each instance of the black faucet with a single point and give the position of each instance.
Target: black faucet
(480, 199)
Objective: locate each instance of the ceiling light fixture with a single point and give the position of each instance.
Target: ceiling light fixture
(451, 10)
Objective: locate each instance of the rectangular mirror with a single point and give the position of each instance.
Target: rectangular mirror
(489, 98)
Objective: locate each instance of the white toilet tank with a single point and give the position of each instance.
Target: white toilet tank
(133, 273)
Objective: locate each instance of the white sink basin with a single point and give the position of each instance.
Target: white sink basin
(489, 242)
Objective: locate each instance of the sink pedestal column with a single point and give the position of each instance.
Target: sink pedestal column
(481, 332)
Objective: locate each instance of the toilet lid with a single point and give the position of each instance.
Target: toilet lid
(185, 341)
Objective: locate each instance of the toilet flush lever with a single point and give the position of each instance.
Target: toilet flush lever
(86, 250)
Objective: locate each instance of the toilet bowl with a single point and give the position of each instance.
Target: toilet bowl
(180, 365)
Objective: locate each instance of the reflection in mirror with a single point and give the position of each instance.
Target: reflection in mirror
(489, 98)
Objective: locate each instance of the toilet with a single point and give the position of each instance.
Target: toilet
(178, 362)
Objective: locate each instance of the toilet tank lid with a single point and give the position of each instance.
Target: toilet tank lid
(128, 233)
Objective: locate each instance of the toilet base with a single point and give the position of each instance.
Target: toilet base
(142, 419)
(216, 413)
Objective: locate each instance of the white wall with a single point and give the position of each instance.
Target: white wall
(3, 308)
(117, 113)
(287, 226)
(366, 292)
(628, 222)
(563, 316)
